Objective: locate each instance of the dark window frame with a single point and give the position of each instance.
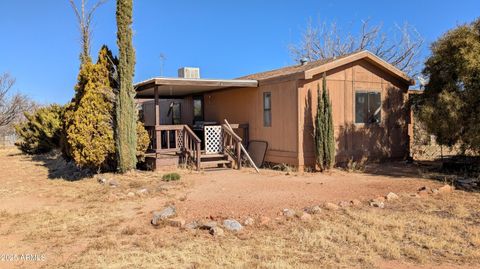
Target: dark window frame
(202, 116)
(267, 110)
(370, 118)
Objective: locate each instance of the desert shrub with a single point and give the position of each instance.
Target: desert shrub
(143, 140)
(41, 131)
(89, 119)
(171, 177)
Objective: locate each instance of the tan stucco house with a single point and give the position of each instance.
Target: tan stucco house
(368, 97)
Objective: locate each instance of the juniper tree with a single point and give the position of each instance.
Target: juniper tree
(41, 131)
(125, 127)
(89, 118)
(320, 131)
(324, 133)
(329, 139)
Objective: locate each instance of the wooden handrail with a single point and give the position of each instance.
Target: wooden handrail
(233, 143)
(232, 133)
(192, 134)
(169, 127)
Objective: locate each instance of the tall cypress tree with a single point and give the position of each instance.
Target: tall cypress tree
(125, 128)
(319, 131)
(324, 133)
(329, 139)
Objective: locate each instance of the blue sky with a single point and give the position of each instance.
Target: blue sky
(226, 39)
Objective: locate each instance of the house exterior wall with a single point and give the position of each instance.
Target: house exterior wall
(245, 105)
(372, 141)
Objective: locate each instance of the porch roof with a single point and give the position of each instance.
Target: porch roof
(183, 86)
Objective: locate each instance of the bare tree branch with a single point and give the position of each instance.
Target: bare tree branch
(11, 107)
(85, 18)
(327, 41)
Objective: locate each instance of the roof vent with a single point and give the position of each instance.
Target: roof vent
(303, 61)
(189, 72)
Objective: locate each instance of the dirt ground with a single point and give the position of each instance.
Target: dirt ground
(84, 224)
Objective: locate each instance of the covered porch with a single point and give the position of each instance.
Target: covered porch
(172, 110)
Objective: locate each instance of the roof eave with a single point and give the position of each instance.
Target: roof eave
(308, 74)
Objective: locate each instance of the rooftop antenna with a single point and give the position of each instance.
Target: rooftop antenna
(163, 58)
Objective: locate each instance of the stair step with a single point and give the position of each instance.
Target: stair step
(204, 163)
(206, 156)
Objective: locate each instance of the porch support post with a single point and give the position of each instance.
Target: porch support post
(157, 106)
(158, 135)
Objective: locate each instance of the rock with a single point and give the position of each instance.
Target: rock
(102, 180)
(331, 206)
(424, 188)
(355, 202)
(249, 221)
(343, 204)
(377, 203)
(391, 196)
(289, 213)
(142, 191)
(216, 231)
(113, 183)
(435, 191)
(192, 225)
(306, 217)
(232, 225)
(445, 189)
(264, 220)
(159, 216)
(380, 199)
(423, 193)
(207, 225)
(130, 194)
(176, 222)
(313, 210)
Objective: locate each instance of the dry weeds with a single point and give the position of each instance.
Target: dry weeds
(93, 226)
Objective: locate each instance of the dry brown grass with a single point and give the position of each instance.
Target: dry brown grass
(93, 226)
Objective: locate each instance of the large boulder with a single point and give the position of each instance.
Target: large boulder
(289, 213)
(216, 231)
(445, 189)
(331, 206)
(312, 210)
(391, 196)
(232, 225)
(159, 216)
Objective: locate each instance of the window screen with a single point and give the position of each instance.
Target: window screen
(267, 109)
(368, 107)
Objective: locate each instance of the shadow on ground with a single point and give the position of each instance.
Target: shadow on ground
(59, 168)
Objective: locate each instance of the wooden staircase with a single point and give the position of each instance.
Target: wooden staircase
(181, 145)
(215, 160)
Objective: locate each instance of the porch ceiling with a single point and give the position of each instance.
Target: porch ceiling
(182, 86)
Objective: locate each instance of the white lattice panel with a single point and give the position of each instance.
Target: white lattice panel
(213, 139)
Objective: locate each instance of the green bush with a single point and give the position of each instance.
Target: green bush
(89, 119)
(171, 177)
(41, 131)
(143, 140)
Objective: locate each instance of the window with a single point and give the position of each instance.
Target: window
(267, 109)
(368, 107)
(197, 108)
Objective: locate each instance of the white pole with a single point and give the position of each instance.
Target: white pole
(243, 149)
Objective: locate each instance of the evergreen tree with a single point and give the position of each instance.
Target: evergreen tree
(329, 139)
(125, 127)
(319, 131)
(324, 132)
(89, 118)
(450, 105)
(41, 131)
